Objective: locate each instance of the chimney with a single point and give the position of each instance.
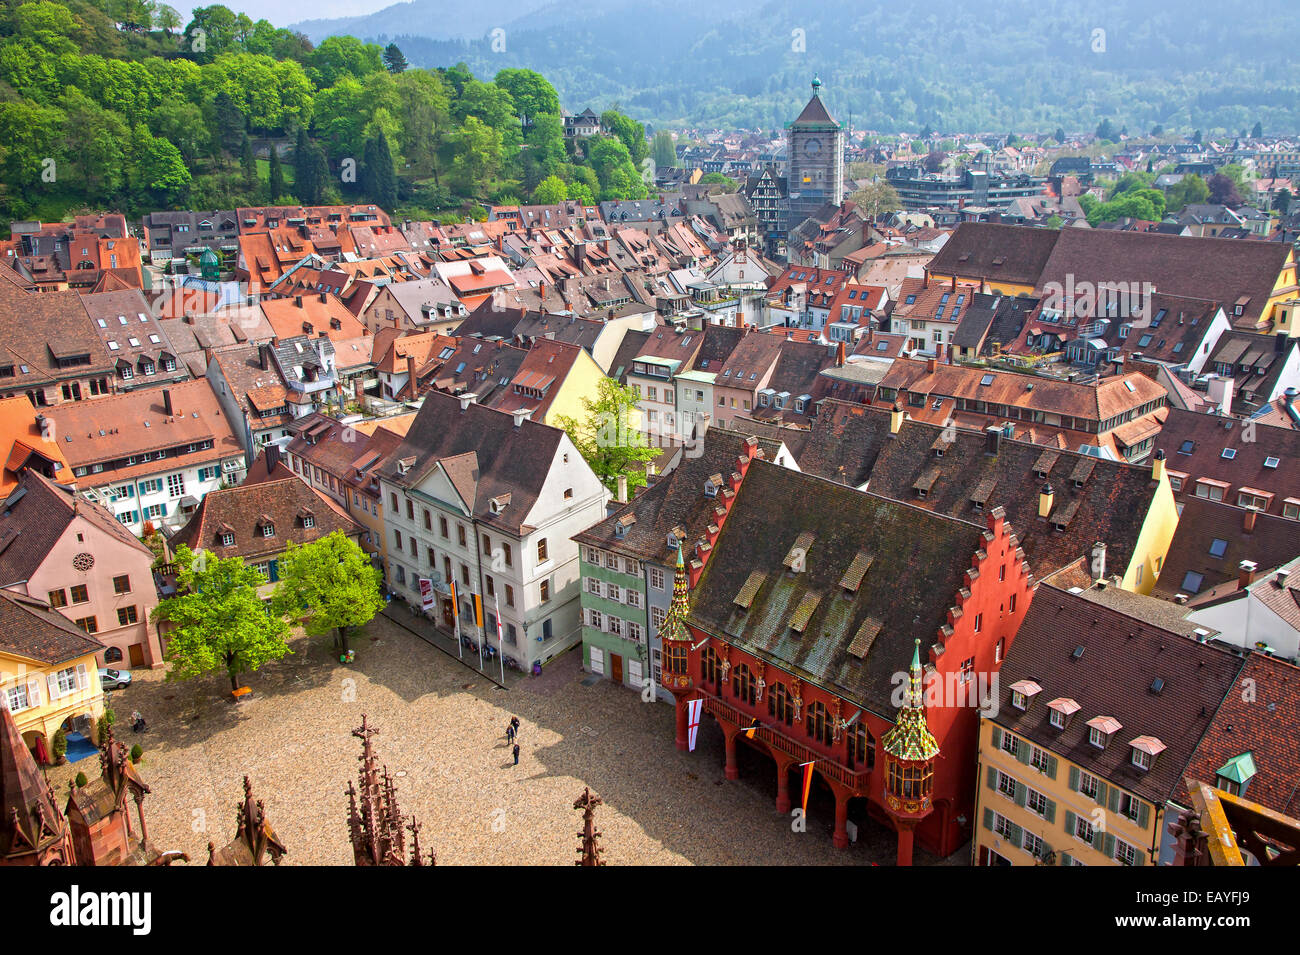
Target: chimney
(1045, 497)
(839, 355)
(1158, 465)
(324, 296)
(1282, 575)
(932, 365)
(992, 439)
(520, 417)
(297, 301)
(410, 372)
(1180, 599)
(467, 399)
(1248, 569)
(272, 456)
(167, 402)
(1099, 560)
(1248, 523)
(621, 496)
(896, 419)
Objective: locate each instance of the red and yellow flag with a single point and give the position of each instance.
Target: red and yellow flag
(807, 781)
(478, 611)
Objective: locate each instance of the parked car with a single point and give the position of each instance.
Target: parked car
(111, 679)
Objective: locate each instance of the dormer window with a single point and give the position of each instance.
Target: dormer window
(308, 521)
(1235, 775)
(268, 529)
(1100, 730)
(1145, 749)
(227, 539)
(1023, 693)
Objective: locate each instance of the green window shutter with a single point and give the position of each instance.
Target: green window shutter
(988, 819)
(1051, 810)
(1065, 858)
(1070, 819)
(997, 738)
(1099, 838)
(1017, 836)
(1047, 850)
(1108, 846)
(1074, 779)
(1022, 792)
(1051, 767)
(993, 778)
(1144, 815)
(1023, 751)
(1141, 858)
(1114, 799)
(1102, 790)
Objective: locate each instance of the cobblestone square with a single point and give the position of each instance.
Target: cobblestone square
(442, 732)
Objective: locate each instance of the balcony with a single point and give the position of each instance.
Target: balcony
(856, 781)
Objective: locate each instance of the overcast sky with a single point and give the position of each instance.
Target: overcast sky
(284, 12)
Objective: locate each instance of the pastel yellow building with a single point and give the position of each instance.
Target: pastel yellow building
(1156, 534)
(1085, 734)
(48, 674)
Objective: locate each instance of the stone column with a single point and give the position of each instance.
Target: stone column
(904, 845)
(732, 772)
(841, 840)
(782, 787)
(682, 725)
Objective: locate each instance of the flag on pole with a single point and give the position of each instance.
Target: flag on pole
(478, 611)
(455, 619)
(807, 781)
(751, 729)
(501, 640)
(693, 710)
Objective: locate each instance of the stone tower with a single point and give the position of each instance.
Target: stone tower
(816, 151)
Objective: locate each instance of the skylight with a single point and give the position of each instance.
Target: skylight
(1229, 454)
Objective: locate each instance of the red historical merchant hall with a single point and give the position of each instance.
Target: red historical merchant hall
(804, 613)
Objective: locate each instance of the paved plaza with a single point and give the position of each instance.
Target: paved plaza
(441, 732)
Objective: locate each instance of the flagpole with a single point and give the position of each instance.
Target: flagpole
(501, 643)
(455, 616)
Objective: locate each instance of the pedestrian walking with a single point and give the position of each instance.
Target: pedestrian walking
(516, 753)
(510, 732)
(514, 722)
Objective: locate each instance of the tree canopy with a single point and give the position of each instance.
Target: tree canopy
(331, 584)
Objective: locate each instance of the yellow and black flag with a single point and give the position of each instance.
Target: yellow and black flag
(478, 611)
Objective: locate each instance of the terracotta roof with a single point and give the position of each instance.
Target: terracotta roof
(30, 629)
(511, 459)
(107, 430)
(998, 253)
(545, 369)
(323, 312)
(1262, 458)
(1094, 499)
(677, 499)
(929, 555)
(1133, 655)
(22, 444)
(38, 329)
(34, 517)
(1266, 725)
(246, 508)
(1204, 557)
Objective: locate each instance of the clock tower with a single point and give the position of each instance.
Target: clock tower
(816, 150)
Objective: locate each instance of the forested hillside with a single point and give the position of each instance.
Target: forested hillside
(122, 104)
(955, 65)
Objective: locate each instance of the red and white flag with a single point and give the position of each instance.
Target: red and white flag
(693, 710)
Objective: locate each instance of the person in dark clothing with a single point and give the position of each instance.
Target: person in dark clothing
(516, 753)
(510, 732)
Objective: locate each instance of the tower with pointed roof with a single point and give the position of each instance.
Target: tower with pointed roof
(675, 675)
(910, 750)
(816, 150)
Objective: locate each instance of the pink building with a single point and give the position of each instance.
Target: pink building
(57, 547)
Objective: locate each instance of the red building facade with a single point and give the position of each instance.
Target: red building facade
(816, 649)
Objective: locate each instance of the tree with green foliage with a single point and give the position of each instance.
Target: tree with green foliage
(331, 584)
(1106, 131)
(218, 620)
(609, 437)
(530, 92)
(1282, 201)
(1190, 190)
(229, 128)
(378, 178)
(630, 133)
(1257, 132)
(662, 151)
(550, 191)
(248, 165)
(275, 179)
(1059, 135)
(876, 198)
(394, 59)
